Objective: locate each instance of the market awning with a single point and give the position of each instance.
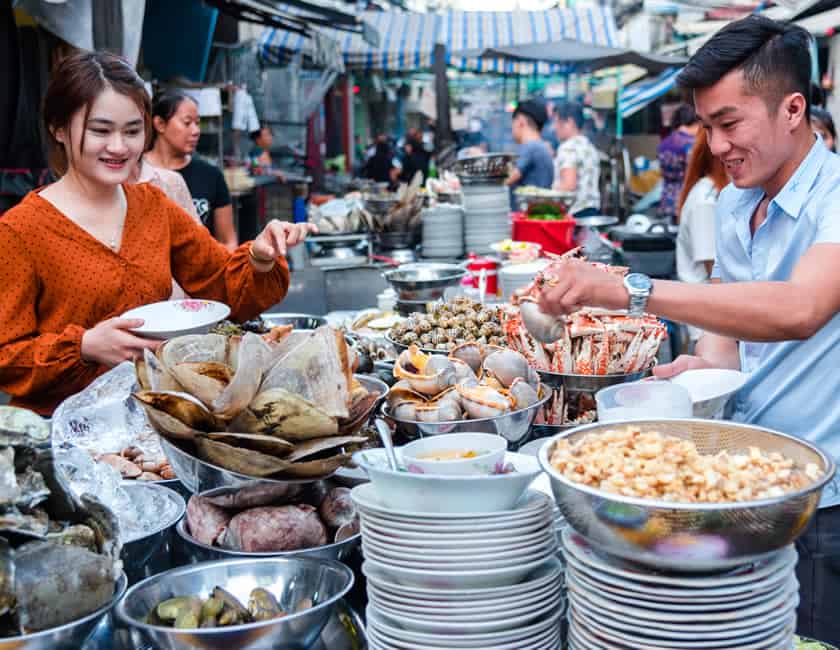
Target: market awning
(584, 57)
(407, 39)
(635, 97)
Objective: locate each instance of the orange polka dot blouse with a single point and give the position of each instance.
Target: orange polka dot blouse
(56, 281)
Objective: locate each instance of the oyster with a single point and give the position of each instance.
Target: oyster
(179, 415)
(19, 427)
(427, 374)
(484, 401)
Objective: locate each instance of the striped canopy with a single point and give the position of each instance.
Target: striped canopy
(407, 39)
(634, 98)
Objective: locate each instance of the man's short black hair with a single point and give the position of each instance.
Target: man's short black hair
(570, 111)
(684, 116)
(256, 134)
(534, 111)
(774, 58)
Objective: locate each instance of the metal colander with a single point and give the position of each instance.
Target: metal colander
(487, 167)
(692, 536)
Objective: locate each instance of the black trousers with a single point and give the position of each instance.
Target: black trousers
(818, 572)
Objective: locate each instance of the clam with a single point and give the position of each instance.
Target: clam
(523, 393)
(445, 407)
(266, 444)
(484, 401)
(318, 445)
(290, 416)
(205, 380)
(427, 374)
(507, 365)
(178, 415)
(462, 370)
(403, 401)
(469, 353)
(238, 459)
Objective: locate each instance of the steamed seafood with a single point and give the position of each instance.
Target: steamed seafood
(280, 406)
(220, 609)
(449, 324)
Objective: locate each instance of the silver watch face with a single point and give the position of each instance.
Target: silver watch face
(638, 283)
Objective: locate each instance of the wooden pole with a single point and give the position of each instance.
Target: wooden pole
(443, 124)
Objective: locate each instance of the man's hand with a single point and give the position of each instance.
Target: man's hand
(579, 284)
(680, 365)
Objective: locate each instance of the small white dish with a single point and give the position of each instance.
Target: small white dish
(478, 543)
(442, 455)
(171, 318)
(710, 389)
(406, 491)
(464, 531)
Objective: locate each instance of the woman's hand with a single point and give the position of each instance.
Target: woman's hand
(278, 237)
(110, 342)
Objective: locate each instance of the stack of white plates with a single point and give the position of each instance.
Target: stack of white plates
(486, 216)
(614, 604)
(443, 231)
(517, 276)
(461, 580)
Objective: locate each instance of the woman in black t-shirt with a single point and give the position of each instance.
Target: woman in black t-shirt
(176, 131)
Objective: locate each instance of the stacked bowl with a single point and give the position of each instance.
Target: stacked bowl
(443, 231)
(486, 217)
(615, 604)
(481, 579)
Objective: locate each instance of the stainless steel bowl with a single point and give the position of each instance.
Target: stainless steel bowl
(150, 554)
(514, 426)
(423, 281)
(199, 475)
(589, 383)
(188, 550)
(692, 536)
(70, 635)
(297, 321)
(291, 580)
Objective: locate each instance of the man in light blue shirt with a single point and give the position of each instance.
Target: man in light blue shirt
(773, 309)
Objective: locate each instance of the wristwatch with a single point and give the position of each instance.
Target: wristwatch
(639, 286)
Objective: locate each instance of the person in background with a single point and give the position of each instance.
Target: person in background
(421, 157)
(175, 134)
(534, 165)
(577, 167)
(549, 135)
(410, 162)
(260, 154)
(474, 139)
(705, 177)
(381, 166)
(823, 124)
(673, 158)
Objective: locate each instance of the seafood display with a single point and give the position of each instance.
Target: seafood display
(652, 465)
(569, 408)
(447, 325)
(587, 342)
(282, 405)
(131, 463)
(475, 381)
(220, 609)
(52, 544)
(259, 520)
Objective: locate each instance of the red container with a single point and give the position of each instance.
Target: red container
(554, 236)
(491, 268)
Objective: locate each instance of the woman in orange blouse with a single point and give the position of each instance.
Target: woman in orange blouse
(80, 252)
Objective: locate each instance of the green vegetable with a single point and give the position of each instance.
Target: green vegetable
(547, 212)
(801, 643)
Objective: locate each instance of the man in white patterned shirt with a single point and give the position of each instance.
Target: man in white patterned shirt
(577, 167)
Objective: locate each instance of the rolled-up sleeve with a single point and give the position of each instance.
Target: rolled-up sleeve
(205, 269)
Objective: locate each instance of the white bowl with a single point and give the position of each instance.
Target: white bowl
(502, 577)
(710, 389)
(448, 494)
(489, 450)
(171, 318)
(549, 572)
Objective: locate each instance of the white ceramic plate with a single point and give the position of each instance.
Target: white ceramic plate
(471, 625)
(504, 577)
(446, 608)
(366, 497)
(397, 533)
(529, 524)
(463, 554)
(171, 318)
(687, 604)
(576, 545)
(547, 640)
(702, 595)
(548, 573)
(435, 564)
(479, 543)
(482, 640)
(596, 639)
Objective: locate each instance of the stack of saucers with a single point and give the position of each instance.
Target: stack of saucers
(486, 216)
(443, 231)
(461, 580)
(617, 605)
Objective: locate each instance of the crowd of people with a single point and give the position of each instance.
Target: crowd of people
(392, 163)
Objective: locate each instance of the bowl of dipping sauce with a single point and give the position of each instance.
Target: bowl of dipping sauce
(456, 454)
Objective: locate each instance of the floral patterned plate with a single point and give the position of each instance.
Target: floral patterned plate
(171, 318)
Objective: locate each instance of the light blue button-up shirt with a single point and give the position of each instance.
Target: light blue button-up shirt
(794, 386)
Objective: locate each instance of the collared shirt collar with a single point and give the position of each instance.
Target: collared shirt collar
(798, 187)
